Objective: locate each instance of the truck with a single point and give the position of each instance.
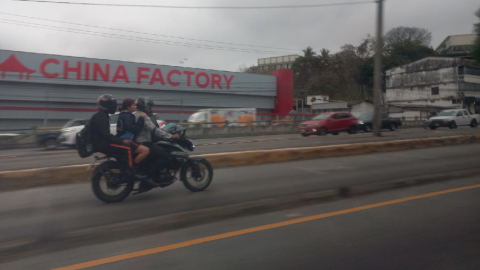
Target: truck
(454, 118)
(218, 117)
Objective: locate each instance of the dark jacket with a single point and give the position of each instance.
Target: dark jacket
(127, 122)
(100, 130)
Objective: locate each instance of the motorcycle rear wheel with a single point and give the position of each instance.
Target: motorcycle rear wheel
(107, 191)
(197, 181)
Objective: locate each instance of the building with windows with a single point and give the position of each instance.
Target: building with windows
(267, 65)
(456, 46)
(433, 84)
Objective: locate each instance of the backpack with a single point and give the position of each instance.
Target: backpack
(84, 141)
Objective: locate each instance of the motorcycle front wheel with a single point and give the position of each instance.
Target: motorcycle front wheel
(105, 183)
(197, 175)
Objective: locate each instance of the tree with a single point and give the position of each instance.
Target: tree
(252, 69)
(366, 48)
(309, 59)
(403, 34)
(408, 51)
(324, 55)
(309, 53)
(348, 74)
(304, 67)
(475, 51)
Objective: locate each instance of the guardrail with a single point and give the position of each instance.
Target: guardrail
(192, 123)
(290, 122)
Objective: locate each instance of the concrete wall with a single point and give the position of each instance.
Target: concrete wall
(413, 83)
(471, 79)
(461, 40)
(407, 114)
(228, 132)
(432, 70)
(422, 95)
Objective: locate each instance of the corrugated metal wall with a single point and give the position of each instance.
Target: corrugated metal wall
(53, 105)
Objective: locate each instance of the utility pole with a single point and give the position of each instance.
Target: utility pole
(377, 82)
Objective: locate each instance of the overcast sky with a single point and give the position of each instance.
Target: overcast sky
(326, 27)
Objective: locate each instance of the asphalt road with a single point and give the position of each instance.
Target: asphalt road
(38, 158)
(46, 211)
(369, 232)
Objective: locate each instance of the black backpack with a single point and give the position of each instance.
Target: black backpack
(84, 141)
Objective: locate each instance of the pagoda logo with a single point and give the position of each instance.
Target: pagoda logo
(13, 65)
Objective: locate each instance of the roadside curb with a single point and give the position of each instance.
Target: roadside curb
(29, 247)
(11, 180)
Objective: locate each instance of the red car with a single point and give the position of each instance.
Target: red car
(325, 123)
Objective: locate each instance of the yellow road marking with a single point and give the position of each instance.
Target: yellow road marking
(254, 229)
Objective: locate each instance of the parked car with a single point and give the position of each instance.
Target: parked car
(365, 122)
(47, 138)
(333, 123)
(69, 131)
(454, 118)
(68, 134)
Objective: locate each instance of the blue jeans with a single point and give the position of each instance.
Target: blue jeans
(127, 136)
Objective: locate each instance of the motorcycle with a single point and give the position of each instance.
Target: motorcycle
(110, 182)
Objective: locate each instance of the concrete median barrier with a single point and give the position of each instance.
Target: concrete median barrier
(71, 174)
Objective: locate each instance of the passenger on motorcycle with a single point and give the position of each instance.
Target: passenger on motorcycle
(151, 133)
(103, 141)
(127, 126)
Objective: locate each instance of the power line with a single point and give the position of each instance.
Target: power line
(145, 33)
(133, 38)
(199, 7)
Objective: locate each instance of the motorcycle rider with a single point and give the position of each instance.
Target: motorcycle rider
(103, 141)
(149, 134)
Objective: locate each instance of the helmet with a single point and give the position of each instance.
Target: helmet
(107, 103)
(145, 104)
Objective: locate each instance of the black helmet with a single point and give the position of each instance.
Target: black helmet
(107, 103)
(145, 104)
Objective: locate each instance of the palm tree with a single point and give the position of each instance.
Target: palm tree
(309, 58)
(325, 54)
(304, 67)
(308, 52)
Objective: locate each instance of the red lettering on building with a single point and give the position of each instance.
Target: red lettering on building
(189, 76)
(120, 74)
(67, 69)
(157, 77)
(87, 71)
(197, 80)
(169, 77)
(97, 70)
(228, 80)
(13, 65)
(140, 75)
(216, 79)
(44, 64)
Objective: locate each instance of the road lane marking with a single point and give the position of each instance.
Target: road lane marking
(254, 229)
